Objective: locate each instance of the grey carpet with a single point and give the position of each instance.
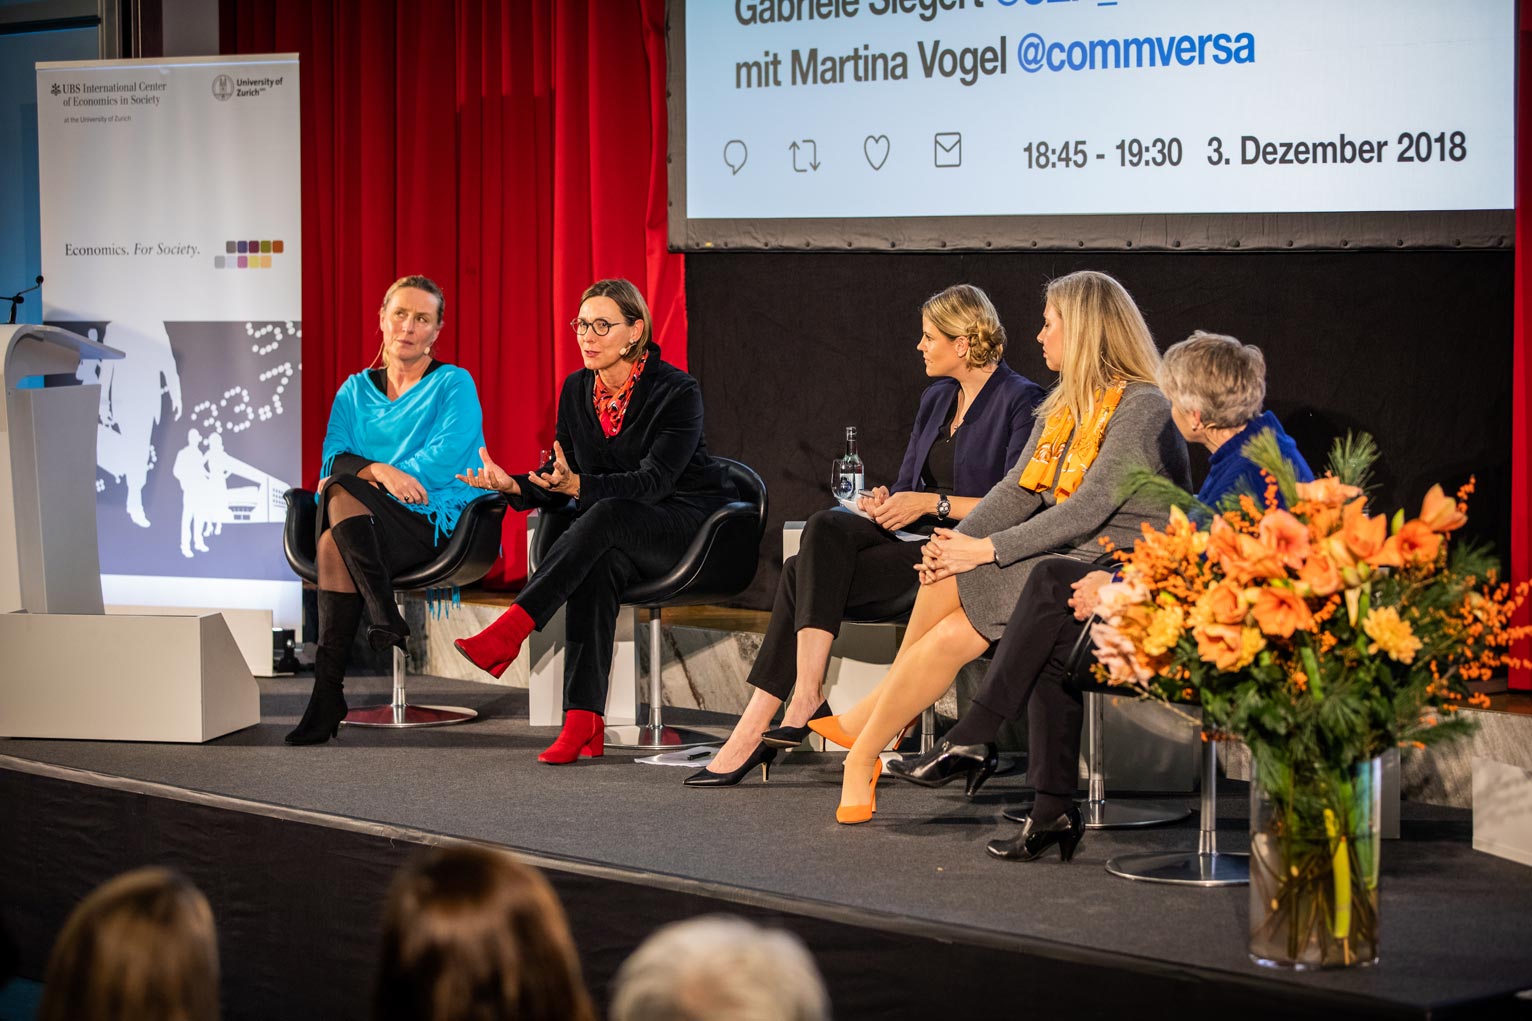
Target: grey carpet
(1454, 920)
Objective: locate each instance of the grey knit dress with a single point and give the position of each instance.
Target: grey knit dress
(1027, 526)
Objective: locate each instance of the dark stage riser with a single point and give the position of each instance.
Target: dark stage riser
(298, 900)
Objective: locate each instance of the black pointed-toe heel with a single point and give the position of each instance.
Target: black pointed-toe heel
(763, 756)
(1035, 838)
(946, 762)
(792, 737)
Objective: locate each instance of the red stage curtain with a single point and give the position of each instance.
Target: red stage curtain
(1521, 442)
(513, 152)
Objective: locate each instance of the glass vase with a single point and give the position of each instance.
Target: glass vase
(1314, 843)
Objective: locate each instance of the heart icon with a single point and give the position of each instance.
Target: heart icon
(875, 148)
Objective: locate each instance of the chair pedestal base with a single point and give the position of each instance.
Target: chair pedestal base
(1116, 815)
(656, 738)
(400, 716)
(1184, 868)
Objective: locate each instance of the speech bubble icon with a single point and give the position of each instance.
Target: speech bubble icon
(735, 154)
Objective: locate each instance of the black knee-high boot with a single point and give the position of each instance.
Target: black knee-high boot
(357, 540)
(339, 615)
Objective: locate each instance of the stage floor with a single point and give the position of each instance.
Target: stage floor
(1455, 921)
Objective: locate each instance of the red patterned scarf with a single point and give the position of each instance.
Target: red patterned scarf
(612, 405)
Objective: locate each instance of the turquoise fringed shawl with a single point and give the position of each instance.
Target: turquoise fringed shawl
(433, 431)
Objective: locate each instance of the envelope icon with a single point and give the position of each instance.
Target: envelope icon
(949, 148)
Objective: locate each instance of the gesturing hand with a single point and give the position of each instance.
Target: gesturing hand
(559, 479)
(400, 485)
(491, 476)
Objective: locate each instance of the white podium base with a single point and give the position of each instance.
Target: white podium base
(123, 678)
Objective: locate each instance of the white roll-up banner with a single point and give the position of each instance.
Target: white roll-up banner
(171, 229)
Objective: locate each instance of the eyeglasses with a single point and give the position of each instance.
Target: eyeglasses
(600, 326)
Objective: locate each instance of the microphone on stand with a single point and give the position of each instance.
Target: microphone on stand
(17, 299)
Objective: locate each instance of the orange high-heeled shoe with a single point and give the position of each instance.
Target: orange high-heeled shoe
(850, 815)
(829, 728)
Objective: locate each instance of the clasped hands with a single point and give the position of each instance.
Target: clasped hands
(948, 553)
(1087, 593)
(558, 479)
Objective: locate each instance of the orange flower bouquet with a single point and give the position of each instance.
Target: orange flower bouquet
(1321, 635)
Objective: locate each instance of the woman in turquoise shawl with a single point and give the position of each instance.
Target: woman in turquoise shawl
(389, 499)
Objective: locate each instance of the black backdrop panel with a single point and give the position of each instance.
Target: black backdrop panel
(1414, 347)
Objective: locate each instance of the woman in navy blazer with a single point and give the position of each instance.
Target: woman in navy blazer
(970, 429)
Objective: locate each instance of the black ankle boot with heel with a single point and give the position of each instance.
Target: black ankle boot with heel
(946, 762)
(339, 615)
(1037, 836)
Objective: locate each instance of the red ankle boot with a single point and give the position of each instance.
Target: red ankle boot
(583, 735)
(496, 646)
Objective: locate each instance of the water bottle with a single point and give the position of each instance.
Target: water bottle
(850, 478)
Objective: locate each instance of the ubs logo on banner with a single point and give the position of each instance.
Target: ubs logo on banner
(223, 88)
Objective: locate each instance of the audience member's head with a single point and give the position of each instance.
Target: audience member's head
(719, 968)
(471, 935)
(1213, 382)
(141, 947)
(963, 310)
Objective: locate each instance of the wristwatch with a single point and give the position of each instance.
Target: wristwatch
(943, 506)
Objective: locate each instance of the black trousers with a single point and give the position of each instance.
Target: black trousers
(1027, 672)
(844, 561)
(609, 547)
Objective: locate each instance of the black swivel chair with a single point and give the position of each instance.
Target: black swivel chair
(719, 564)
(465, 559)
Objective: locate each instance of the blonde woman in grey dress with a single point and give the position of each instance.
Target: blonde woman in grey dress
(1060, 499)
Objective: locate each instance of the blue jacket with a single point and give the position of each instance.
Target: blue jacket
(1230, 471)
(992, 437)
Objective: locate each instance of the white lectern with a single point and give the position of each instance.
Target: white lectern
(66, 669)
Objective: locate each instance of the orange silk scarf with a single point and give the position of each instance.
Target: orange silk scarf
(1039, 472)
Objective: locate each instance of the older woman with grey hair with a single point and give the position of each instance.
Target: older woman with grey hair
(1216, 386)
(720, 968)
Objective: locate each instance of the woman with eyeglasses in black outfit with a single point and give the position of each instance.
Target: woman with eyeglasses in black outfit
(630, 462)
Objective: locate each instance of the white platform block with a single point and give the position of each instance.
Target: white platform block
(123, 678)
(251, 629)
(1502, 809)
